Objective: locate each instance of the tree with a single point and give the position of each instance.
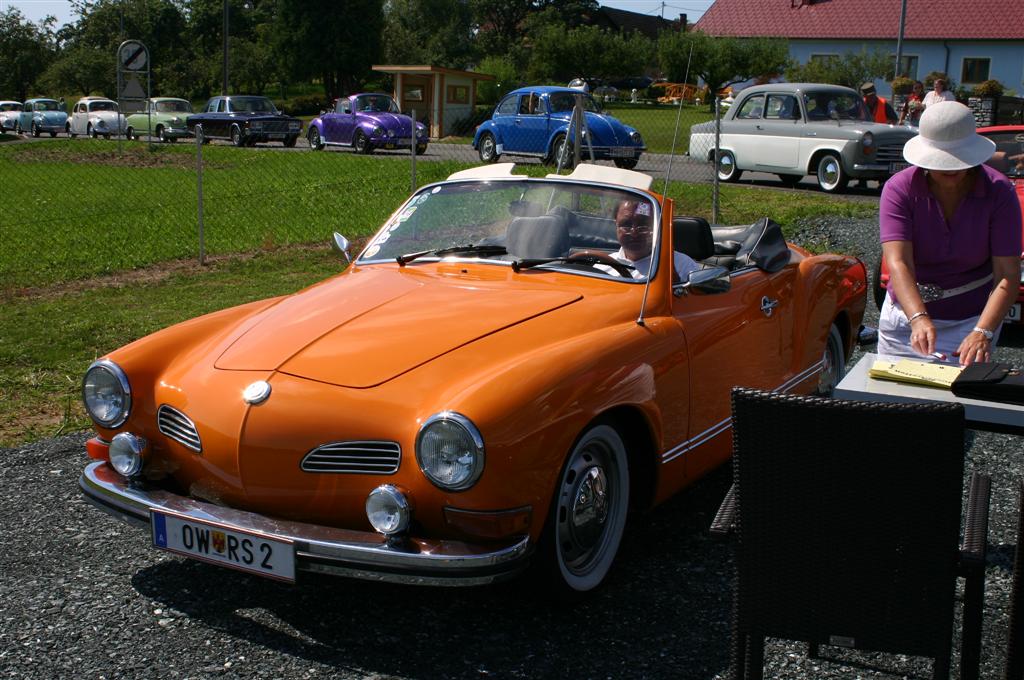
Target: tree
(335, 41)
(720, 61)
(501, 25)
(82, 69)
(850, 70)
(437, 32)
(507, 77)
(26, 49)
(559, 55)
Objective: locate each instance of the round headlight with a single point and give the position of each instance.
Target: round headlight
(388, 510)
(106, 393)
(868, 139)
(378, 131)
(450, 451)
(635, 136)
(128, 454)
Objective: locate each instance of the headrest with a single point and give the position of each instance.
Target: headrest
(538, 237)
(692, 235)
(763, 244)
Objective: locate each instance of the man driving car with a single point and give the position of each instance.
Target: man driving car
(635, 230)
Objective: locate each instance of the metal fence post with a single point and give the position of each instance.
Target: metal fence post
(199, 192)
(412, 149)
(718, 140)
(577, 118)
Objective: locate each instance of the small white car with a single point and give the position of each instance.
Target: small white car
(96, 116)
(9, 115)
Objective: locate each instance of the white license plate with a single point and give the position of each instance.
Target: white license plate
(1014, 314)
(621, 151)
(896, 167)
(275, 135)
(210, 542)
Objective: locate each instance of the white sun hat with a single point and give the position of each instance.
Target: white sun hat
(947, 139)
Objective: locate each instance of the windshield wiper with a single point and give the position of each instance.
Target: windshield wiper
(582, 258)
(469, 248)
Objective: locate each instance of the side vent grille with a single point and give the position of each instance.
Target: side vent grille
(176, 425)
(369, 458)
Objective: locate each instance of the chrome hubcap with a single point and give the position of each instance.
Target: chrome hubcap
(488, 147)
(725, 165)
(828, 173)
(589, 508)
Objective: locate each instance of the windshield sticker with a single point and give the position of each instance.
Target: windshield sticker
(382, 239)
(435, 190)
(372, 250)
(407, 214)
(643, 209)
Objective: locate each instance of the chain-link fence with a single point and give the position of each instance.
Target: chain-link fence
(78, 208)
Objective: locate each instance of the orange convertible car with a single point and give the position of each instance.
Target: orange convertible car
(498, 378)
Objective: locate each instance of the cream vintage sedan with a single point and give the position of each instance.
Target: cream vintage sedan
(799, 129)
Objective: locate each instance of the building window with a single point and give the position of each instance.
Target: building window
(975, 70)
(908, 66)
(458, 94)
(821, 58)
(414, 94)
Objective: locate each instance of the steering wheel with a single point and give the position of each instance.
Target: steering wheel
(595, 256)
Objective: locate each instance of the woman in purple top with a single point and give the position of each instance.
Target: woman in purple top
(951, 237)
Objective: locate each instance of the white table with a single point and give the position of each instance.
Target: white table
(980, 415)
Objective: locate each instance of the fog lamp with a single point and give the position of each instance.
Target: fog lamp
(128, 454)
(388, 510)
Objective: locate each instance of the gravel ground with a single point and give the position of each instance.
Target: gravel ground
(83, 596)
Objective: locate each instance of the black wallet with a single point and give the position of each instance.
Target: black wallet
(991, 382)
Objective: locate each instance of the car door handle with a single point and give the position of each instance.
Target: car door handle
(759, 127)
(810, 134)
(768, 305)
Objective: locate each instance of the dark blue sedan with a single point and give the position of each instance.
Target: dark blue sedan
(245, 121)
(534, 121)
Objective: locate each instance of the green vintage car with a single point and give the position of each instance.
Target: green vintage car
(164, 118)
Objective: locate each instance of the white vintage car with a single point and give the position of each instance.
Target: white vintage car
(799, 129)
(9, 115)
(96, 116)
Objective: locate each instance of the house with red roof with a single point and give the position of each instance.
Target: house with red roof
(970, 40)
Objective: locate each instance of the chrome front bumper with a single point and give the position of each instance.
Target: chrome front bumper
(356, 554)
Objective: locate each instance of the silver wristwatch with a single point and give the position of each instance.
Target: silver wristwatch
(984, 331)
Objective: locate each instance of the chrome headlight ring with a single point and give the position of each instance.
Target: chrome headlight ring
(450, 451)
(114, 377)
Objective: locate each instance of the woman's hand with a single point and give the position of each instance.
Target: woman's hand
(922, 335)
(974, 348)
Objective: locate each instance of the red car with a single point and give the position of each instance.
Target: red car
(1009, 160)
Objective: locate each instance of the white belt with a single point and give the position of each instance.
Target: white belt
(932, 293)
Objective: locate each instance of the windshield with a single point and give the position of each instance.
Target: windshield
(46, 105)
(531, 220)
(822, 106)
(10, 107)
(176, 106)
(251, 105)
(102, 106)
(1009, 156)
(560, 102)
(376, 103)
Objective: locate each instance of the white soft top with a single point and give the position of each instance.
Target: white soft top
(587, 172)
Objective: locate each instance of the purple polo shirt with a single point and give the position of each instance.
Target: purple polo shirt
(987, 224)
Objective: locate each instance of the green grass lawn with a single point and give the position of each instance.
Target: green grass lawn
(109, 244)
(657, 123)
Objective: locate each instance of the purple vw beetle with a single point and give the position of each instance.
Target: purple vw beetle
(365, 122)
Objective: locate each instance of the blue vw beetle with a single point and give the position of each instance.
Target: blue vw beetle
(42, 115)
(533, 121)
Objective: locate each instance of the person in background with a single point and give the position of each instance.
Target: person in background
(939, 93)
(951, 236)
(913, 107)
(634, 227)
(878, 109)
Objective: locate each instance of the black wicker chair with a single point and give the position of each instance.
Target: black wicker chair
(847, 516)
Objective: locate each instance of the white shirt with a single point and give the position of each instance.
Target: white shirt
(932, 98)
(684, 264)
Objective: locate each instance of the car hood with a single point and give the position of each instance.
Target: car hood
(52, 116)
(109, 116)
(369, 326)
(389, 121)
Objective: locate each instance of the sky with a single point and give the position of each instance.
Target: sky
(34, 10)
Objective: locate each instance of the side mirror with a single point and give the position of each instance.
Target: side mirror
(341, 246)
(711, 281)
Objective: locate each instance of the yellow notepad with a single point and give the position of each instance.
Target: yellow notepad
(916, 372)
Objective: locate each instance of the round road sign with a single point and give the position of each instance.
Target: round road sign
(133, 55)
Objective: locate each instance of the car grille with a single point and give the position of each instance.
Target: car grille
(178, 427)
(275, 126)
(379, 458)
(890, 153)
